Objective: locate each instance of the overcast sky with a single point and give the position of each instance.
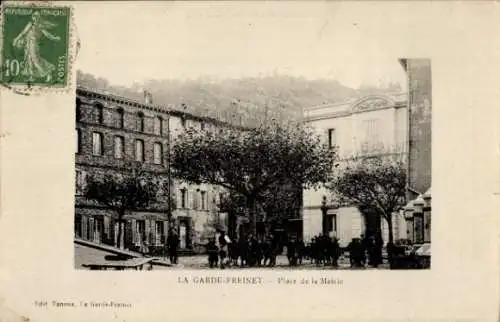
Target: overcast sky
(130, 42)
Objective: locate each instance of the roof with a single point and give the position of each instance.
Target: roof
(167, 109)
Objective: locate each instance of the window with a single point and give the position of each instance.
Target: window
(183, 198)
(157, 153)
(195, 201)
(183, 122)
(140, 122)
(371, 129)
(97, 148)
(159, 232)
(121, 118)
(119, 147)
(99, 114)
(78, 141)
(158, 126)
(203, 195)
(80, 182)
(139, 150)
(331, 138)
(331, 223)
(202, 126)
(78, 110)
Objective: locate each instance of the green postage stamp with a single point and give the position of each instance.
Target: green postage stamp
(35, 45)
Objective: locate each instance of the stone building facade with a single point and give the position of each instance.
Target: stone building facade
(370, 125)
(111, 131)
(418, 210)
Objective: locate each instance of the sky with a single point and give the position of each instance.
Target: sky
(129, 42)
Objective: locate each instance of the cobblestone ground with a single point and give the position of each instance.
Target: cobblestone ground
(201, 262)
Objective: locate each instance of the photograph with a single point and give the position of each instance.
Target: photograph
(264, 160)
(227, 161)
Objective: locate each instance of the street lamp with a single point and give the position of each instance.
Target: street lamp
(408, 214)
(418, 224)
(324, 210)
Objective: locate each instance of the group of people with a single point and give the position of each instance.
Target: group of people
(247, 251)
(359, 248)
(252, 251)
(323, 250)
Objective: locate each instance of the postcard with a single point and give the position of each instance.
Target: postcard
(264, 161)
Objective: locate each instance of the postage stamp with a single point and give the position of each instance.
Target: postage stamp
(35, 45)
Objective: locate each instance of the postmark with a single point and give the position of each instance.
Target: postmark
(36, 52)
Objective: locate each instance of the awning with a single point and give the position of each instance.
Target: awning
(424, 250)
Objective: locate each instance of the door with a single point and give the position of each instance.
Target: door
(78, 226)
(158, 232)
(183, 235)
(141, 232)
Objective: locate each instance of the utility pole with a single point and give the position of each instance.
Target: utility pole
(169, 176)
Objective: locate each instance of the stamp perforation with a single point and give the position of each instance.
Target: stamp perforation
(72, 50)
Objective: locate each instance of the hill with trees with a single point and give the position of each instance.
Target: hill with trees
(246, 101)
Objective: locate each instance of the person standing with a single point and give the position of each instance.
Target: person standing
(335, 252)
(301, 247)
(173, 245)
(234, 252)
(213, 256)
(243, 250)
(223, 248)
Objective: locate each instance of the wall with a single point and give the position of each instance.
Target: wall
(351, 123)
(86, 162)
(420, 118)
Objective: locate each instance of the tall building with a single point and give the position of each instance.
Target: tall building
(113, 130)
(370, 125)
(418, 210)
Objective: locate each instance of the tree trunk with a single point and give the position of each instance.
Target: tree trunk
(390, 244)
(389, 226)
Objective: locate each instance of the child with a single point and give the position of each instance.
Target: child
(213, 256)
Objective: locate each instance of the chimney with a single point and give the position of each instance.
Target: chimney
(148, 98)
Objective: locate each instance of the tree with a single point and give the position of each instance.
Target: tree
(376, 185)
(250, 161)
(132, 189)
(281, 202)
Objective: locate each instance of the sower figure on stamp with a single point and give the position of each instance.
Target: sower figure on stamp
(29, 39)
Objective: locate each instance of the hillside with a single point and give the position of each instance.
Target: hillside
(242, 100)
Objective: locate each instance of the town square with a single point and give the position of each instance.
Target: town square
(290, 158)
(331, 186)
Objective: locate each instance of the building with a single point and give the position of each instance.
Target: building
(113, 130)
(418, 210)
(370, 125)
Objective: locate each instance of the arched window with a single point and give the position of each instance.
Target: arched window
(140, 122)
